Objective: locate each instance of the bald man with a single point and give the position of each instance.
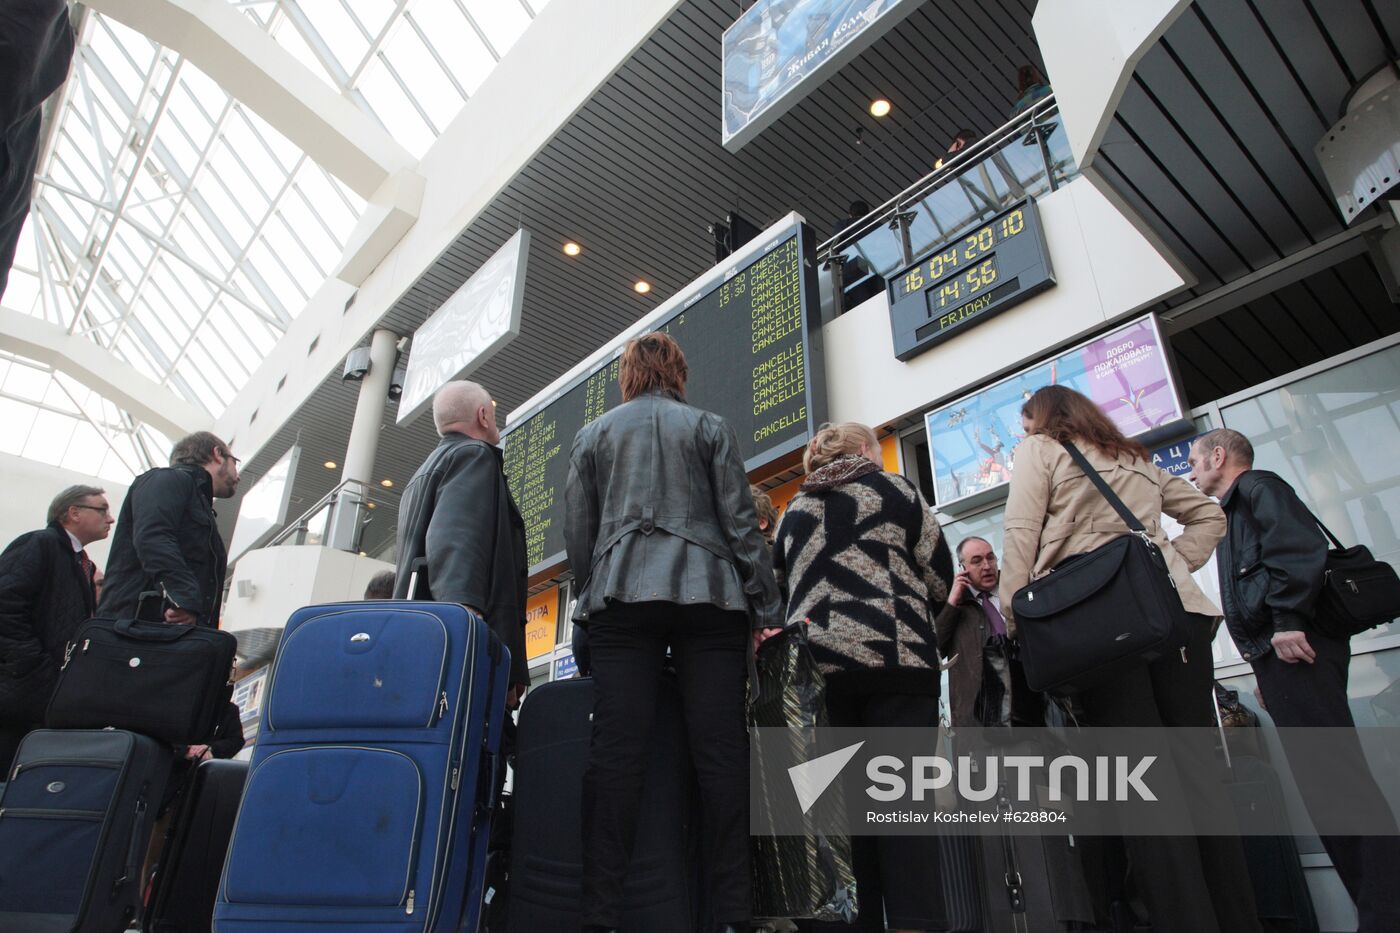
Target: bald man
(458, 514)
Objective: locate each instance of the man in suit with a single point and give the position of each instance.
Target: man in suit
(458, 514)
(1271, 566)
(986, 684)
(167, 540)
(46, 591)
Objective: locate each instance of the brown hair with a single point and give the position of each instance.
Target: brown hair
(652, 361)
(198, 449)
(766, 511)
(1063, 414)
(837, 440)
(1238, 449)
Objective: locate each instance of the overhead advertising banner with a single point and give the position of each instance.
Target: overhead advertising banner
(473, 323)
(1127, 372)
(779, 50)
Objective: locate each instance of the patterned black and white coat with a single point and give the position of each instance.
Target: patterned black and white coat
(862, 558)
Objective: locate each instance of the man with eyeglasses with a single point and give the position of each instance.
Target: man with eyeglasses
(167, 540)
(986, 685)
(46, 591)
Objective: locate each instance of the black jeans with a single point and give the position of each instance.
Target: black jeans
(896, 876)
(628, 645)
(1310, 695)
(1190, 884)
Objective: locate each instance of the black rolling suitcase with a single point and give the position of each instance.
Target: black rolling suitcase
(187, 877)
(75, 822)
(1034, 884)
(547, 842)
(1275, 870)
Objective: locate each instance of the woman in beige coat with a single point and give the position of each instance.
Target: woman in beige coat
(1200, 885)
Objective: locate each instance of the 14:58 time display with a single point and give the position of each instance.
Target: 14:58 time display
(984, 275)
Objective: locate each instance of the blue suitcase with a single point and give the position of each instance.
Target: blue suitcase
(372, 781)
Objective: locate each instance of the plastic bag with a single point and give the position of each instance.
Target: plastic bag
(806, 876)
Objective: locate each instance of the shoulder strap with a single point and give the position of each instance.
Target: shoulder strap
(1123, 511)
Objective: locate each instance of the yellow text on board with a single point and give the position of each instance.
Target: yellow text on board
(541, 623)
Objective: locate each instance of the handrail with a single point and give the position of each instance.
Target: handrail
(303, 521)
(954, 166)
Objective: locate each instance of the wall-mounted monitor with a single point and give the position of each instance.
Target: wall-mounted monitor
(471, 326)
(263, 509)
(778, 51)
(752, 337)
(1128, 372)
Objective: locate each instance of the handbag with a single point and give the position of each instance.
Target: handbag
(1099, 612)
(170, 682)
(1358, 591)
(808, 876)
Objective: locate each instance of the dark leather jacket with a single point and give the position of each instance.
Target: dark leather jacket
(659, 509)
(458, 513)
(1270, 562)
(167, 540)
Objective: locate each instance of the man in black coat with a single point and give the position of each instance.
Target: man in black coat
(1271, 565)
(46, 591)
(167, 540)
(457, 512)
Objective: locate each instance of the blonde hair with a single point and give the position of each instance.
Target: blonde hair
(837, 440)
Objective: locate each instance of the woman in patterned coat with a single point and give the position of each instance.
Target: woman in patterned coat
(862, 558)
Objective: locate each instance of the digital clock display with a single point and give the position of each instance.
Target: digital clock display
(965, 280)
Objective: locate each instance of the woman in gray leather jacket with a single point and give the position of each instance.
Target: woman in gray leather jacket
(665, 548)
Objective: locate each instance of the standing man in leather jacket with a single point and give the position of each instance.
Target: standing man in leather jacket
(458, 514)
(665, 547)
(167, 540)
(1271, 563)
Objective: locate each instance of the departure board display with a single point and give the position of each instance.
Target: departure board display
(751, 337)
(966, 280)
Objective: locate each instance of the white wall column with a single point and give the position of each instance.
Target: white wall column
(363, 446)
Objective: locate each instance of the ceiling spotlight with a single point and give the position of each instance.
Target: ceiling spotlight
(371, 505)
(642, 287)
(572, 249)
(329, 464)
(387, 483)
(879, 107)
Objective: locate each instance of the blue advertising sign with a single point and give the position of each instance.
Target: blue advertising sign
(565, 667)
(779, 50)
(1172, 457)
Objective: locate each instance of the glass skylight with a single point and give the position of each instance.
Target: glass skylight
(174, 227)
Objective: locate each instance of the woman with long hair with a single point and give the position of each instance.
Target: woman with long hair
(865, 563)
(1190, 884)
(666, 552)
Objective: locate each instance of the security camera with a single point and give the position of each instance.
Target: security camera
(396, 381)
(356, 365)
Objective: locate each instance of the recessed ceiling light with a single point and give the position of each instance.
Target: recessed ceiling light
(879, 107)
(642, 287)
(329, 464)
(371, 505)
(387, 483)
(572, 249)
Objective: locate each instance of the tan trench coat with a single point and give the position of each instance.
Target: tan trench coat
(1054, 511)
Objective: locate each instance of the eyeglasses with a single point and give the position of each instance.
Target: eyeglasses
(96, 508)
(979, 561)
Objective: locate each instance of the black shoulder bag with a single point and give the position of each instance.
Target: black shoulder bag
(1099, 612)
(1358, 591)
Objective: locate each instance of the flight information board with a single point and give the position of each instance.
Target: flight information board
(966, 280)
(751, 338)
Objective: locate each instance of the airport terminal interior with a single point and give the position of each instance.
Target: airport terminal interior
(289, 222)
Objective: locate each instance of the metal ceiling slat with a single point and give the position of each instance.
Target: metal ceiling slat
(1193, 173)
(1179, 98)
(1239, 107)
